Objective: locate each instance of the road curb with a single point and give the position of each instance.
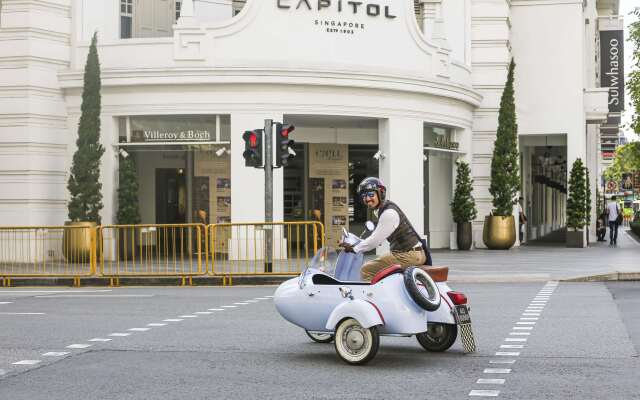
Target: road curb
(614, 276)
(257, 280)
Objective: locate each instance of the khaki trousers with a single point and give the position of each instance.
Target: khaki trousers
(404, 259)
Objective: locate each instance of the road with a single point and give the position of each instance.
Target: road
(230, 343)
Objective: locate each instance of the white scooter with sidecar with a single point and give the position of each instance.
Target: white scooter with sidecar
(329, 302)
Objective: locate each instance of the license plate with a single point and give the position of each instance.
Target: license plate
(462, 314)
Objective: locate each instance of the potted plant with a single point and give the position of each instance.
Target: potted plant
(499, 230)
(128, 212)
(463, 206)
(84, 184)
(587, 202)
(576, 206)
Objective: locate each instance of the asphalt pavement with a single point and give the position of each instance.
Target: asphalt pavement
(230, 343)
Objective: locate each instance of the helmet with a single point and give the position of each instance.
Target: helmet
(373, 184)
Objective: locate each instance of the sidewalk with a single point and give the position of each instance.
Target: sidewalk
(542, 263)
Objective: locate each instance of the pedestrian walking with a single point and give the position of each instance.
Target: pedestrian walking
(615, 218)
(522, 219)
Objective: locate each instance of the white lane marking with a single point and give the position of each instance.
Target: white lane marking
(484, 393)
(513, 339)
(241, 304)
(229, 306)
(52, 291)
(98, 339)
(155, 324)
(6, 302)
(119, 334)
(525, 323)
(497, 371)
(78, 346)
(523, 328)
(502, 361)
(83, 296)
(530, 318)
(22, 313)
(261, 298)
(216, 309)
(188, 316)
(269, 297)
(508, 353)
(172, 320)
(203, 312)
(512, 346)
(483, 381)
(27, 362)
(138, 329)
(55, 354)
(530, 314)
(251, 301)
(520, 333)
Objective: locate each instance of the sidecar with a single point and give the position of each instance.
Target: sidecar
(356, 313)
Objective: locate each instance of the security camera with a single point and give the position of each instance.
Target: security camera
(221, 151)
(123, 153)
(425, 158)
(379, 155)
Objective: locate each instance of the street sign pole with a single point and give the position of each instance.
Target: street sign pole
(268, 194)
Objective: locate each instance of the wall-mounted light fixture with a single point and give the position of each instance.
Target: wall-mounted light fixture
(379, 155)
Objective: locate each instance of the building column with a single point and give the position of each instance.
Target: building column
(401, 166)
(247, 183)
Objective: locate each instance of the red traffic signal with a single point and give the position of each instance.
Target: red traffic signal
(253, 148)
(283, 144)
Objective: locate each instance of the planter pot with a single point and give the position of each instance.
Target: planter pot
(464, 236)
(499, 232)
(77, 241)
(575, 239)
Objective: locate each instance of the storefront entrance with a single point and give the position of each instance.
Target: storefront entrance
(171, 196)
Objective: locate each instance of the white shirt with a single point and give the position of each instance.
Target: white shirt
(612, 211)
(388, 222)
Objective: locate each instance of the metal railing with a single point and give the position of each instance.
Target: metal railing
(278, 248)
(47, 251)
(158, 250)
(178, 250)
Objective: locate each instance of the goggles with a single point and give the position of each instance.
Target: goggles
(368, 195)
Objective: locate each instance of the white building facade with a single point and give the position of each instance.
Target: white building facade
(417, 84)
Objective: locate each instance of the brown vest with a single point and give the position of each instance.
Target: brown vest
(404, 237)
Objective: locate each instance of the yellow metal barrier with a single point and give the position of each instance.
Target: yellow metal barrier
(178, 250)
(243, 248)
(47, 251)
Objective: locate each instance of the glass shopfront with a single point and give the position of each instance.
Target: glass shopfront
(183, 167)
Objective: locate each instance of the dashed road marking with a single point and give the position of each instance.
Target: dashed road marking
(172, 320)
(188, 316)
(203, 312)
(55, 354)
(229, 306)
(502, 361)
(119, 334)
(262, 298)
(22, 313)
(27, 362)
(6, 302)
(484, 393)
(138, 329)
(241, 304)
(100, 340)
(78, 346)
(216, 309)
(156, 324)
(497, 371)
(512, 339)
(525, 323)
(485, 381)
(512, 346)
(508, 353)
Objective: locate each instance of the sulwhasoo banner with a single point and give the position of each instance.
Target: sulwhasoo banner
(612, 67)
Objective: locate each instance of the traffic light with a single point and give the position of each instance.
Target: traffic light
(284, 152)
(253, 148)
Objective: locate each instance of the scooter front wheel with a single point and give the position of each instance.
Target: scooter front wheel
(354, 344)
(438, 337)
(320, 337)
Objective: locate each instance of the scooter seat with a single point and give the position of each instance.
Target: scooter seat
(394, 269)
(438, 274)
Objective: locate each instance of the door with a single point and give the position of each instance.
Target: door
(171, 202)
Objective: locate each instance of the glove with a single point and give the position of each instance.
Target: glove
(347, 247)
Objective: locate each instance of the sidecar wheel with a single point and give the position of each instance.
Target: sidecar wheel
(438, 337)
(320, 337)
(354, 344)
(422, 288)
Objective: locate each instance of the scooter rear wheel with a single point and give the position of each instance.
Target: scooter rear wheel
(438, 337)
(320, 337)
(354, 344)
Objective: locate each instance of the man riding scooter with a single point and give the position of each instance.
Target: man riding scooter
(407, 247)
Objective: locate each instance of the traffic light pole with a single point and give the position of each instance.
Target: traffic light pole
(268, 194)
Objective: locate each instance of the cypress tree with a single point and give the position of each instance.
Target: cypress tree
(463, 206)
(505, 176)
(587, 196)
(84, 181)
(576, 200)
(128, 212)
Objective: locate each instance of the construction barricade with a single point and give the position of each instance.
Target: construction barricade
(274, 248)
(162, 250)
(47, 252)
